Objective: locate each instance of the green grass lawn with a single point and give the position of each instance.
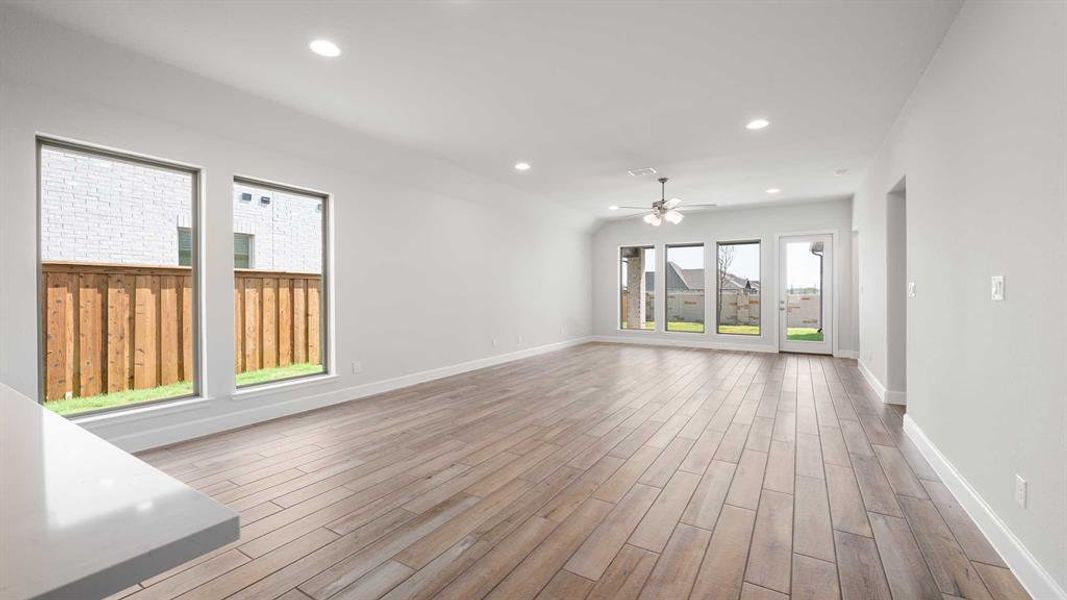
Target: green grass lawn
(174, 390)
(803, 334)
(77, 405)
(276, 373)
(739, 329)
(673, 326)
(685, 326)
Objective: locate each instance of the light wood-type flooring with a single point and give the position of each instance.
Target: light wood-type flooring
(602, 471)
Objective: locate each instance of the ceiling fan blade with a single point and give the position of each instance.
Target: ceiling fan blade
(687, 206)
(672, 203)
(632, 208)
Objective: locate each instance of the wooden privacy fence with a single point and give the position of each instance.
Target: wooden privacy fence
(110, 328)
(277, 319)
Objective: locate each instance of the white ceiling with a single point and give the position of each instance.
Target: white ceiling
(583, 90)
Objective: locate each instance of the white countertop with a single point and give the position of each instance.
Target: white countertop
(80, 518)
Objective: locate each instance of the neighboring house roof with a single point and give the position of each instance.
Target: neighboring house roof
(693, 279)
(736, 282)
(678, 278)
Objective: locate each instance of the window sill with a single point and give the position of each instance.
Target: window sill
(136, 413)
(742, 336)
(270, 389)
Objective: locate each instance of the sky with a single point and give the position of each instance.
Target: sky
(803, 266)
(745, 263)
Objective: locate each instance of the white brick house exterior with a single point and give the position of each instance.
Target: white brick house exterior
(95, 209)
(287, 232)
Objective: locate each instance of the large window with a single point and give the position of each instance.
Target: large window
(637, 283)
(279, 293)
(738, 288)
(118, 309)
(685, 288)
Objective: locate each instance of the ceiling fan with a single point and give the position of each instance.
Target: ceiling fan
(663, 209)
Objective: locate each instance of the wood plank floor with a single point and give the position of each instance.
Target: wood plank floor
(601, 471)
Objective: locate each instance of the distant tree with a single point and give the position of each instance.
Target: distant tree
(725, 260)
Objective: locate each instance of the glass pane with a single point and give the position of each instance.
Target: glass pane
(117, 270)
(280, 301)
(738, 274)
(637, 277)
(804, 310)
(185, 246)
(242, 251)
(685, 288)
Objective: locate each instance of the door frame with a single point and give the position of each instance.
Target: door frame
(835, 277)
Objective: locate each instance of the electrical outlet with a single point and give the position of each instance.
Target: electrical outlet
(357, 367)
(911, 289)
(997, 288)
(1020, 490)
(518, 339)
(495, 343)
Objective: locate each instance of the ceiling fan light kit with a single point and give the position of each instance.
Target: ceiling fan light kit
(663, 209)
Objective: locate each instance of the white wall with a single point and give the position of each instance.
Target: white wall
(712, 226)
(982, 144)
(491, 263)
(896, 295)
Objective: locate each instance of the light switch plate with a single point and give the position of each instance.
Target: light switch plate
(911, 289)
(997, 287)
(1020, 490)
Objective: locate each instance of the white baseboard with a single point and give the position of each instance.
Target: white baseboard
(705, 344)
(134, 430)
(892, 397)
(853, 354)
(877, 386)
(1037, 581)
(886, 395)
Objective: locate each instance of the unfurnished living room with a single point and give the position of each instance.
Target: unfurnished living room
(517, 299)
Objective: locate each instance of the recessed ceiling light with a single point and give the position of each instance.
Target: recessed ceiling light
(773, 190)
(325, 48)
(613, 207)
(642, 171)
(522, 166)
(757, 124)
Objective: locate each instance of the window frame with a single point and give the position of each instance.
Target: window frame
(718, 284)
(196, 268)
(326, 294)
(667, 291)
(251, 250)
(180, 230)
(618, 288)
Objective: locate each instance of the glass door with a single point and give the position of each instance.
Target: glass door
(805, 304)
